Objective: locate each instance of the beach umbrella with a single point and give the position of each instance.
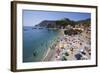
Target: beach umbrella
(78, 56)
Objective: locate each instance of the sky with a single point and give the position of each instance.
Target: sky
(32, 17)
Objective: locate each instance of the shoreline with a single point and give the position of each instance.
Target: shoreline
(80, 38)
(52, 51)
(47, 52)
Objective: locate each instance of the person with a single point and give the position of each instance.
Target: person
(72, 49)
(58, 51)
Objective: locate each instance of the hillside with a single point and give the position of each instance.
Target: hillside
(63, 23)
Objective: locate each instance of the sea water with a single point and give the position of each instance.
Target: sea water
(36, 42)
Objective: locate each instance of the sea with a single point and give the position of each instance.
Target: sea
(36, 42)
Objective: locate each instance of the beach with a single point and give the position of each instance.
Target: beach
(70, 47)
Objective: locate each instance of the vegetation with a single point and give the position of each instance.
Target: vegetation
(85, 23)
(62, 23)
(72, 31)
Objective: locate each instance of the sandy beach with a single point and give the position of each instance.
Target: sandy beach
(70, 47)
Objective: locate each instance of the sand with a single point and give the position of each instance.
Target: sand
(73, 45)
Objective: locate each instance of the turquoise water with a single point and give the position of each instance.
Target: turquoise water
(36, 42)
